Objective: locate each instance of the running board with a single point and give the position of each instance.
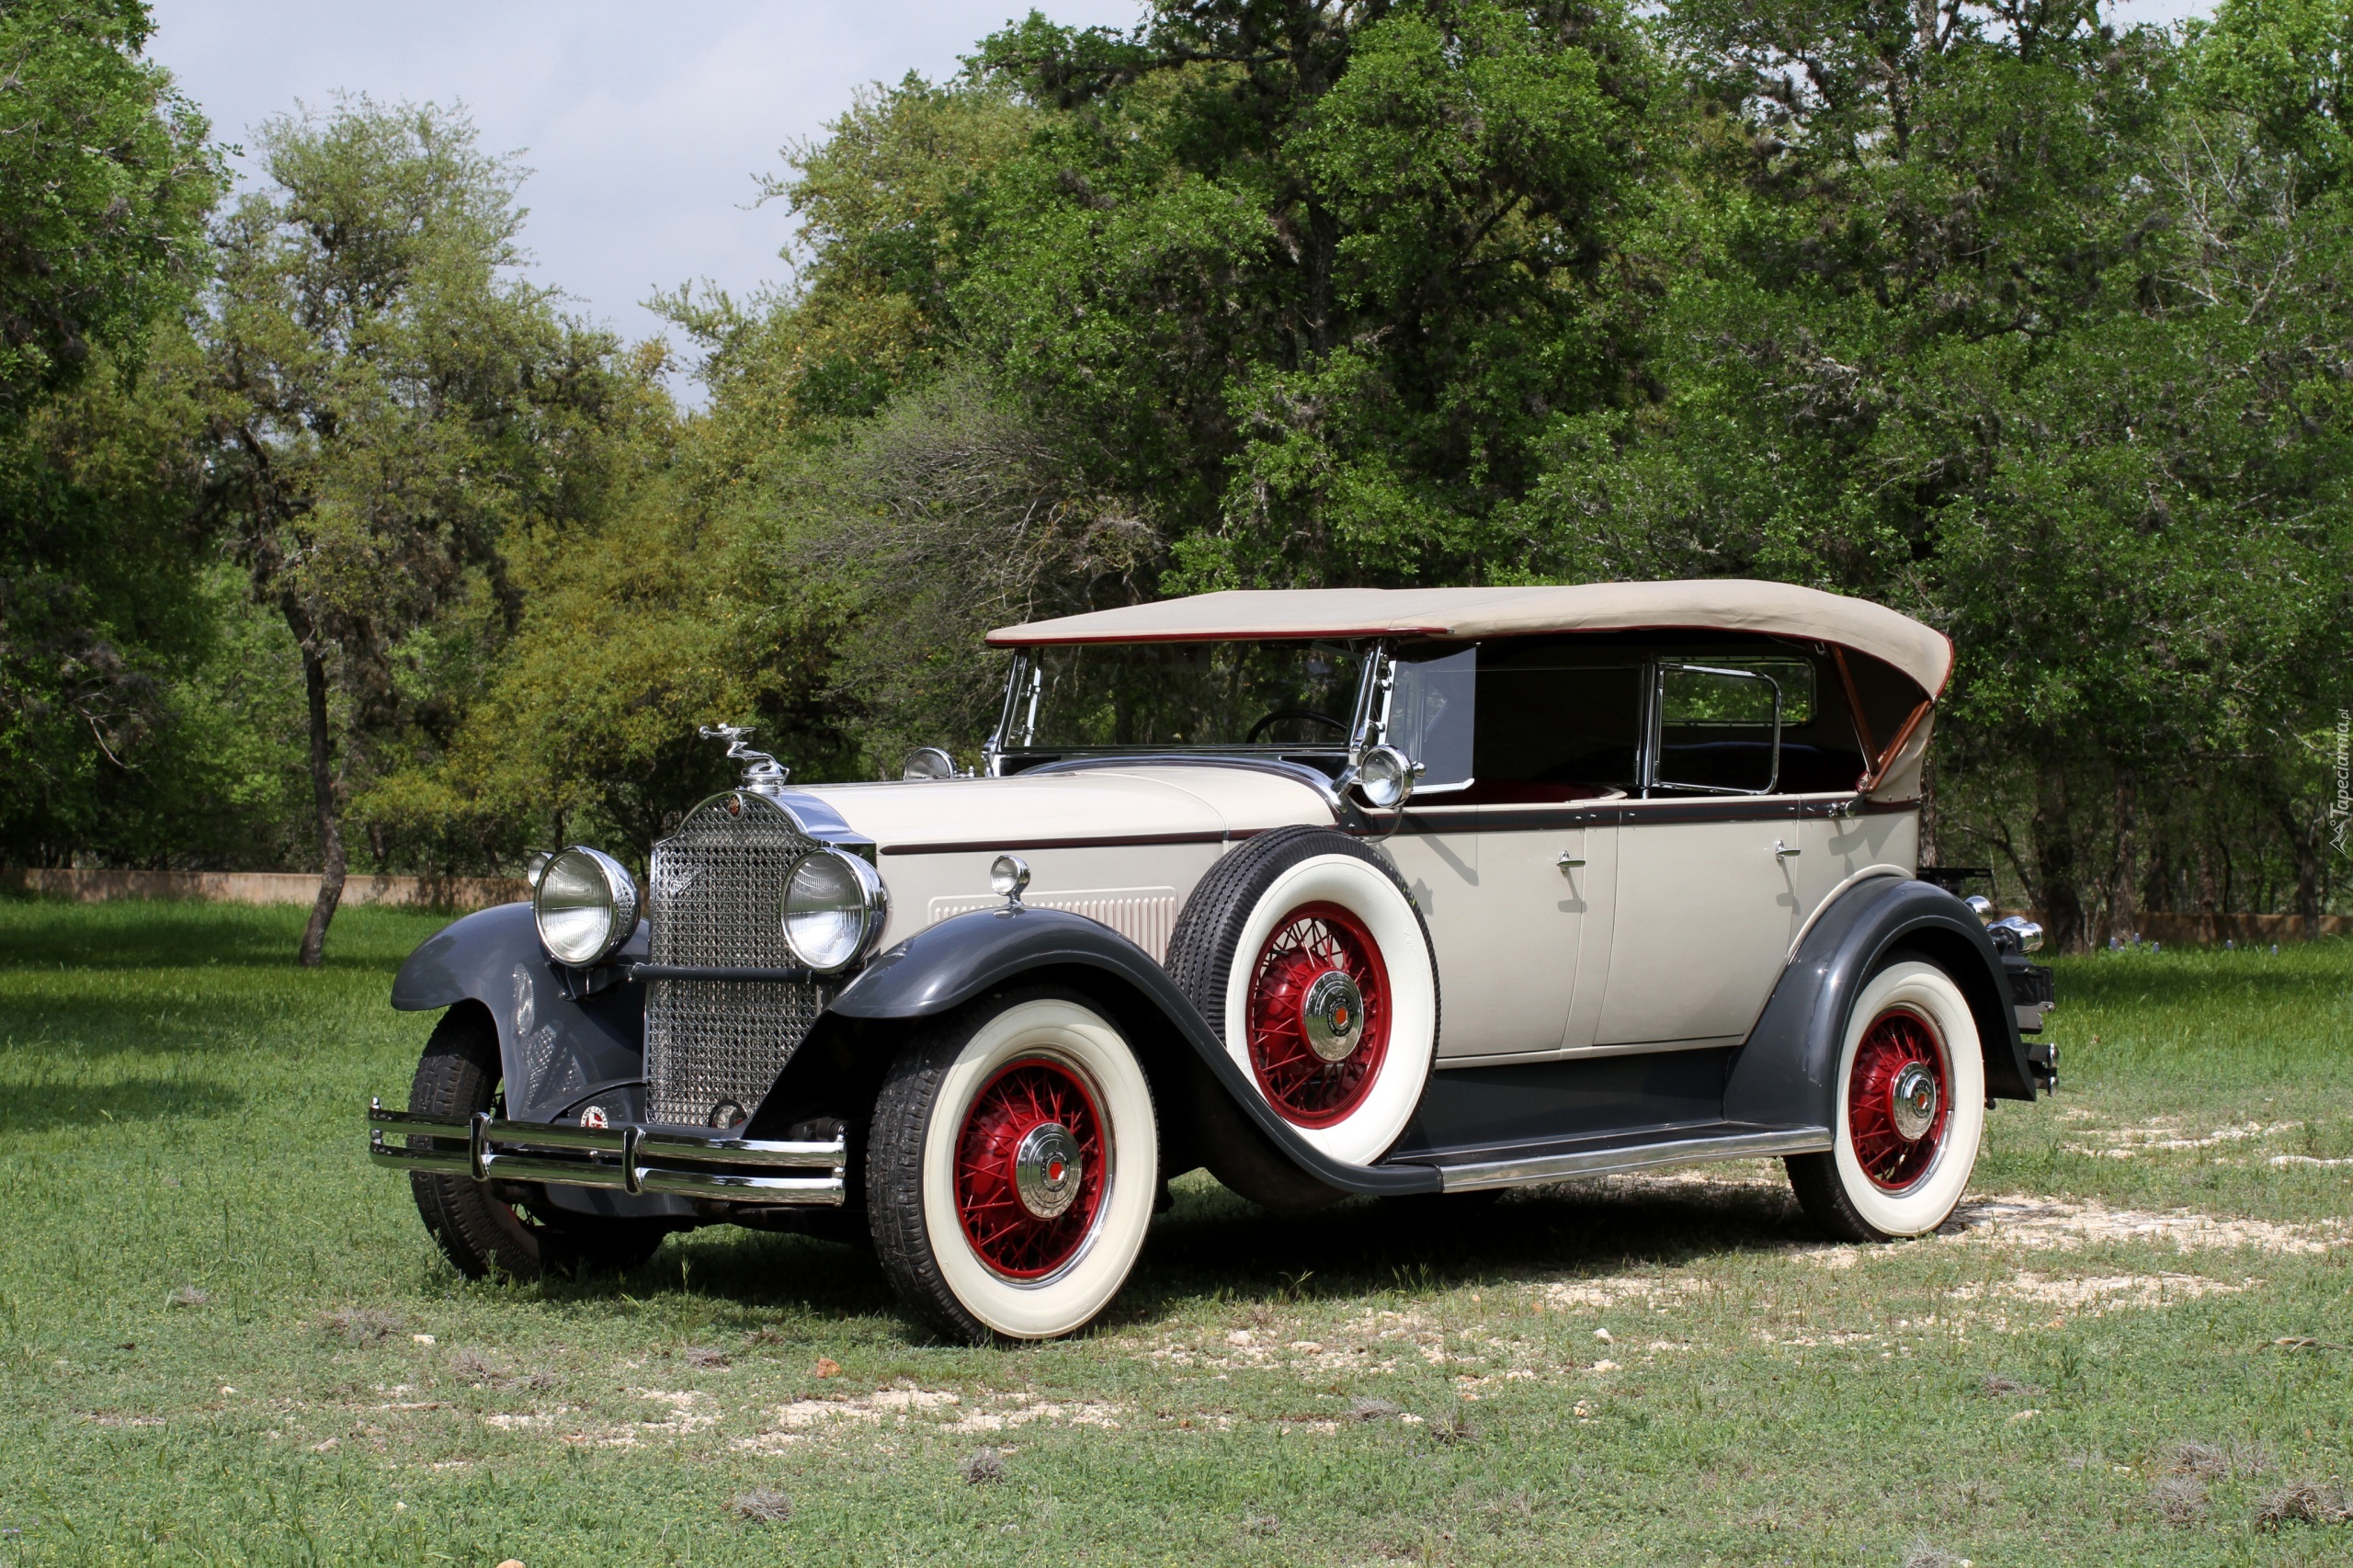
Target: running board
(1499, 1167)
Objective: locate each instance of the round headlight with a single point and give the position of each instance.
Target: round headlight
(586, 905)
(833, 909)
(1384, 777)
(928, 763)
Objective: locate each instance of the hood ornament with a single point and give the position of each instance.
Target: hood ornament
(763, 775)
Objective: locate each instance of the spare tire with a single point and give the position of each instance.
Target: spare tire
(1307, 956)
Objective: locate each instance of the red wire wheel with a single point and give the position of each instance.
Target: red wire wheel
(1030, 1168)
(1899, 1097)
(1296, 1004)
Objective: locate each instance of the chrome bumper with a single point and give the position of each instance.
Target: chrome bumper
(630, 1159)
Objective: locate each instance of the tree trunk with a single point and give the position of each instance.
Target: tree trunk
(2303, 845)
(1928, 851)
(313, 952)
(2123, 917)
(2210, 892)
(2054, 863)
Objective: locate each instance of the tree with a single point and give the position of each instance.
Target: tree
(106, 179)
(1315, 275)
(392, 403)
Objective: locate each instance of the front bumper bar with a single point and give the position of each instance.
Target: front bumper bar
(630, 1159)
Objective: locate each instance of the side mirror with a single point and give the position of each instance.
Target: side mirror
(1385, 778)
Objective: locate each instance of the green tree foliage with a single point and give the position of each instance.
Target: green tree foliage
(104, 181)
(1992, 319)
(392, 405)
(1317, 276)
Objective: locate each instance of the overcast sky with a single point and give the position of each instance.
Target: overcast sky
(645, 123)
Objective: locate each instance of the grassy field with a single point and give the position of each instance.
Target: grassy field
(224, 1338)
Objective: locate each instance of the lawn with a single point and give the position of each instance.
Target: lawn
(223, 1338)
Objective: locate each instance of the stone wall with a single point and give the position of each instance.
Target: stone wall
(267, 887)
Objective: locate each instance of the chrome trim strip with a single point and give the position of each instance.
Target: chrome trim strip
(709, 972)
(627, 1157)
(1635, 1157)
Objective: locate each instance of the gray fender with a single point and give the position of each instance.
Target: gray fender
(1787, 1074)
(968, 955)
(558, 1046)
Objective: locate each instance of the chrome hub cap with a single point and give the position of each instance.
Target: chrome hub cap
(1915, 1096)
(1046, 1170)
(1332, 1015)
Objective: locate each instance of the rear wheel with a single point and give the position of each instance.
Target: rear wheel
(1911, 1110)
(1304, 950)
(498, 1227)
(1012, 1166)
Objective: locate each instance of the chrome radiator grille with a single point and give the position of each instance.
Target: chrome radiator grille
(715, 892)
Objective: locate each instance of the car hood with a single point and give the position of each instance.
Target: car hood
(1084, 805)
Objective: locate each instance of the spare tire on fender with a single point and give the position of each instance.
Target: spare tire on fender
(1306, 954)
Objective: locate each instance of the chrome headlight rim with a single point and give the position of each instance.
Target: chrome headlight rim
(857, 924)
(927, 765)
(1384, 778)
(583, 881)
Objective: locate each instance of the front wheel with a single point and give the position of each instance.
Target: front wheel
(1911, 1111)
(495, 1227)
(1011, 1167)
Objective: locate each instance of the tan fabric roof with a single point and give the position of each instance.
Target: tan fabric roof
(1732, 604)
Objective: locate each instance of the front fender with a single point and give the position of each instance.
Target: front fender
(557, 1046)
(1786, 1073)
(968, 955)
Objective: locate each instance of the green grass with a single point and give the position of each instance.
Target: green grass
(179, 1123)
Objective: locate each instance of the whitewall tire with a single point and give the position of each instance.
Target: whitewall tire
(1307, 954)
(1909, 1111)
(1011, 1167)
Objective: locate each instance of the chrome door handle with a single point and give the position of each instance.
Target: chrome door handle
(1784, 851)
(1568, 862)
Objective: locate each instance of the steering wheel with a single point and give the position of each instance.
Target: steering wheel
(1280, 714)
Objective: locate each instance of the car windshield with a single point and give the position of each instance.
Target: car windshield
(1277, 696)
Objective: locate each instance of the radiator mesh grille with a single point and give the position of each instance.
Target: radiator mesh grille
(716, 891)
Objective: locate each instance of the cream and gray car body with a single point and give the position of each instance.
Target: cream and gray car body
(1663, 839)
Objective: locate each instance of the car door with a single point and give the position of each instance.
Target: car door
(1555, 732)
(1710, 893)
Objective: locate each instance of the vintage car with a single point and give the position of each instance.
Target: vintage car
(1336, 891)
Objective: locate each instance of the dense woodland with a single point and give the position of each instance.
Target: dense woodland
(334, 536)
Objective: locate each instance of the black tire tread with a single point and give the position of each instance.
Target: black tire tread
(894, 1171)
(1200, 949)
(903, 1113)
(1823, 1196)
(457, 1076)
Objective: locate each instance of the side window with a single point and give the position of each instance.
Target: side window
(1558, 722)
(1721, 722)
(1715, 723)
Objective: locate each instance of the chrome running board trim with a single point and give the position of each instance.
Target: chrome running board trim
(631, 1159)
(1635, 1157)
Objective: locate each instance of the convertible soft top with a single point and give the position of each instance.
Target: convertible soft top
(1728, 603)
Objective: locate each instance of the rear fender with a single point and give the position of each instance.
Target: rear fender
(1787, 1074)
(966, 956)
(563, 1038)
